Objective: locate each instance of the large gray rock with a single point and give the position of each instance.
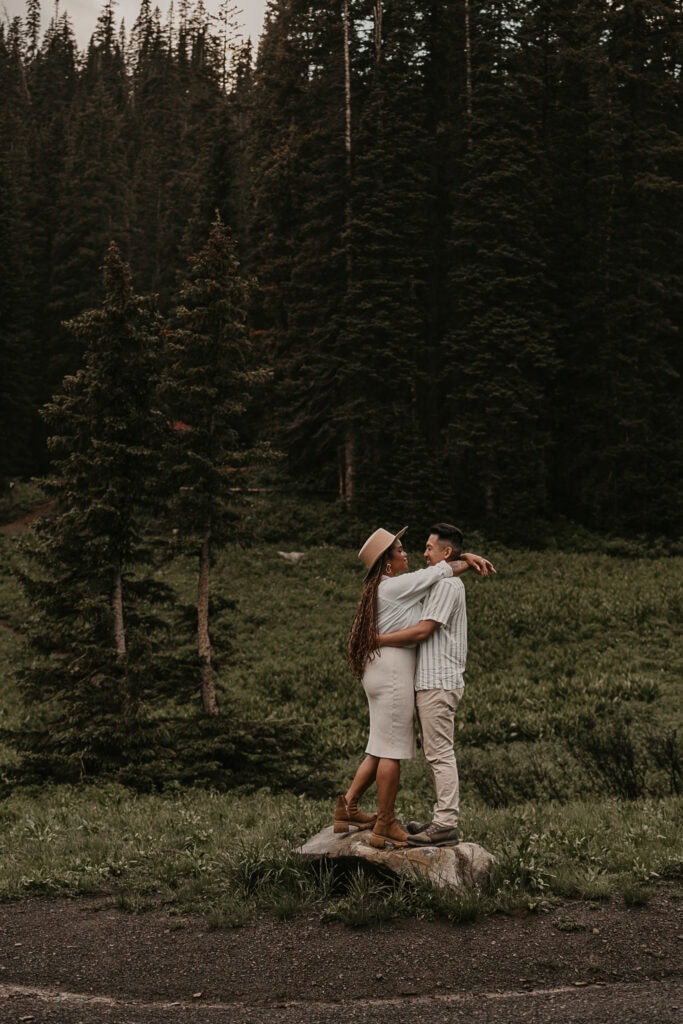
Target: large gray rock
(454, 867)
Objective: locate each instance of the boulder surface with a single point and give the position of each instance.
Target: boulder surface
(457, 866)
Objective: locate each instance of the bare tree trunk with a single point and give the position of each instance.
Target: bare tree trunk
(468, 72)
(349, 466)
(209, 701)
(347, 143)
(120, 641)
(377, 12)
(346, 468)
(347, 88)
(117, 612)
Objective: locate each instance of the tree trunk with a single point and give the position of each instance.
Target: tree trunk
(347, 84)
(468, 72)
(347, 141)
(348, 470)
(117, 613)
(377, 12)
(209, 702)
(128, 707)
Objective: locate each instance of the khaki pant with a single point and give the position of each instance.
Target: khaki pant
(436, 712)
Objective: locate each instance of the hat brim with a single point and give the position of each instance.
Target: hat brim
(376, 545)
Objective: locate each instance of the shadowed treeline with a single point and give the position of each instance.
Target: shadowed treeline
(462, 218)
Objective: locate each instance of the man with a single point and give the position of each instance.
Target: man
(439, 683)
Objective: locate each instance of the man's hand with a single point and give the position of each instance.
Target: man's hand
(477, 564)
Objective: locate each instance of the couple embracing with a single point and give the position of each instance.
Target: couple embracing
(408, 644)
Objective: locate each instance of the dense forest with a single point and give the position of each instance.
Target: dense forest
(461, 222)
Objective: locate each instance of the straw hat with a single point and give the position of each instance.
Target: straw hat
(376, 544)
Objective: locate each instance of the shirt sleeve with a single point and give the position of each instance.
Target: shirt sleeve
(442, 601)
(415, 584)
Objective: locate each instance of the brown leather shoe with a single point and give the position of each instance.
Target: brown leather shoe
(346, 814)
(387, 830)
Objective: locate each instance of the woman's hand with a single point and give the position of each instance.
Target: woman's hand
(477, 564)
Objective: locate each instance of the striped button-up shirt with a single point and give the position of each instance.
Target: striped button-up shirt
(441, 659)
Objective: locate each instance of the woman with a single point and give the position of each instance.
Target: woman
(390, 600)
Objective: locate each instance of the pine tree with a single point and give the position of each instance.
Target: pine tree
(207, 387)
(52, 80)
(620, 425)
(481, 197)
(299, 201)
(89, 691)
(273, 194)
(315, 435)
(228, 173)
(176, 99)
(448, 124)
(32, 28)
(500, 356)
(17, 343)
(93, 204)
(383, 322)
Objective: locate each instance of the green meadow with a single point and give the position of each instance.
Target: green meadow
(568, 743)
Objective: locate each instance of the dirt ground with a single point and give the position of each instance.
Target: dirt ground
(82, 961)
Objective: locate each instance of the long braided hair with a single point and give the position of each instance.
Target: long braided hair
(362, 643)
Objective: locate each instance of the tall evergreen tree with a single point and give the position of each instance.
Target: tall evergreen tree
(53, 82)
(89, 692)
(500, 356)
(447, 76)
(274, 196)
(378, 360)
(482, 196)
(315, 433)
(207, 387)
(93, 204)
(176, 98)
(228, 173)
(32, 28)
(619, 417)
(17, 342)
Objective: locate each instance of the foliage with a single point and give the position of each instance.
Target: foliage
(464, 237)
(469, 285)
(210, 376)
(206, 389)
(573, 674)
(86, 688)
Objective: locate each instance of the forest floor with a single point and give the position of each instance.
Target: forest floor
(83, 961)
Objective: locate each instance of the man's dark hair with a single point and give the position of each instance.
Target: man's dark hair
(449, 534)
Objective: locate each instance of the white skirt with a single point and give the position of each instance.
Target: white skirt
(388, 682)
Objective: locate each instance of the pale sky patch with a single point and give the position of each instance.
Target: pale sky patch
(84, 13)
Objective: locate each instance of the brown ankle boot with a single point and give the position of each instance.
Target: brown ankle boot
(346, 813)
(387, 830)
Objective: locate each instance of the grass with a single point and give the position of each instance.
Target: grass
(568, 744)
(228, 856)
